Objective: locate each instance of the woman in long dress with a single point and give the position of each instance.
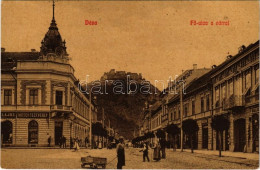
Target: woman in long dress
(76, 145)
(156, 153)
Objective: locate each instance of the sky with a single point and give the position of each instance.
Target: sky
(154, 38)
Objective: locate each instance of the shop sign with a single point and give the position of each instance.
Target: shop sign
(24, 115)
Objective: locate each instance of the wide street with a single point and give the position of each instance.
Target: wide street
(68, 159)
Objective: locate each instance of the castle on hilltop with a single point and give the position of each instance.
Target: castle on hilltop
(118, 75)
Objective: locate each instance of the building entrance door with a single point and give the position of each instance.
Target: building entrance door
(58, 132)
(6, 132)
(255, 121)
(205, 137)
(240, 134)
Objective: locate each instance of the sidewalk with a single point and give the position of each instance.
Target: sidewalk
(253, 156)
(25, 147)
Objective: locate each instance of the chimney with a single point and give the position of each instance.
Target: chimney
(2, 49)
(194, 66)
(213, 66)
(33, 50)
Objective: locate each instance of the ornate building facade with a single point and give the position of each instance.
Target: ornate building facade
(230, 89)
(40, 96)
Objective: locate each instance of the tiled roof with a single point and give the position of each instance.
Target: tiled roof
(9, 59)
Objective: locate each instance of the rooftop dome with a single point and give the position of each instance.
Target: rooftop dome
(52, 41)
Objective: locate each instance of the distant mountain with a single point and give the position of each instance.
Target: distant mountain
(124, 110)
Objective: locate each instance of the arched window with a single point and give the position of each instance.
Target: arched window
(33, 132)
(6, 132)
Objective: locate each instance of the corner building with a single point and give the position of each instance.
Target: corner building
(40, 96)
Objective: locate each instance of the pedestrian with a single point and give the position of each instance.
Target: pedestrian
(76, 146)
(156, 153)
(49, 141)
(64, 142)
(163, 146)
(120, 150)
(145, 152)
(71, 142)
(86, 142)
(100, 145)
(60, 141)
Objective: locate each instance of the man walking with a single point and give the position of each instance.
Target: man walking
(64, 142)
(163, 146)
(120, 150)
(86, 142)
(49, 141)
(145, 152)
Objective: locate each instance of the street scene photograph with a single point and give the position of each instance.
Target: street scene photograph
(95, 84)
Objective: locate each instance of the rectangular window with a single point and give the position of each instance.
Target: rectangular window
(59, 97)
(202, 104)
(217, 96)
(230, 88)
(186, 109)
(247, 81)
(224, 92)
(175, 114)
(193, 107)
(33, 97)
(207, 104)
(8, 97)
(256, 75)
(179, 112)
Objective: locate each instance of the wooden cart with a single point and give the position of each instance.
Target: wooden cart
(93, 162)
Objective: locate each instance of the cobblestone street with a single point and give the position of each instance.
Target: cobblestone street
(68, 159)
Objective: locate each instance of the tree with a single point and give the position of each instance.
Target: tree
(149, 135)
(220, 123)
(173, 130)
(190, 127)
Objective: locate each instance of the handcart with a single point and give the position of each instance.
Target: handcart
(93, 162)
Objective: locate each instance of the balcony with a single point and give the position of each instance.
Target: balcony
(233, 102)
(25, 108)
(251, 99)
(61, 108)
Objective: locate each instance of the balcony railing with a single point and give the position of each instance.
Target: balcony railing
(250, 99)
(233, 101)
(61, 107)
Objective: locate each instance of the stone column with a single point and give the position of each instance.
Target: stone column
(200, 135)
(231, 134)
(210, 135)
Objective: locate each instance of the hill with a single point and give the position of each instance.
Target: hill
(123, 95)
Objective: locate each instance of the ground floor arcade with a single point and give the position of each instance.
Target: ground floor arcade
(29, 129)
(242, 135)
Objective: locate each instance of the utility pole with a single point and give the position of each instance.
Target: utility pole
(181, 118)
(90, 121)
(103, 125)
(109, 127)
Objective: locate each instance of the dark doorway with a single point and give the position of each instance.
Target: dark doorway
(217, 140)
(240, 134)
(58, 132)
(255, 124)
(205, 136)
(33, 132)
(227, 140)
(59, 97)
(6, 132)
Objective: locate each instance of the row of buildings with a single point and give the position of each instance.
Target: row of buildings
(230, 89)
(40, 96)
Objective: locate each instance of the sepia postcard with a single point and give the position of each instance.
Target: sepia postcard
(130, 84)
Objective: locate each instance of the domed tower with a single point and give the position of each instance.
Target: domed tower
(52, 46)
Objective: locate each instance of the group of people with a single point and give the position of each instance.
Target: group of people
(62, 142)
(74, 143)
(158, 147)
